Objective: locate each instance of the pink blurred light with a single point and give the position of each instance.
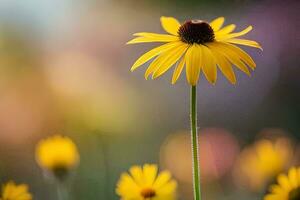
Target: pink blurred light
(218, 150)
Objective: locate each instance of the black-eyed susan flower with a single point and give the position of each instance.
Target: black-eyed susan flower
(58, 155)
(12, 191)
(287, 187)
(198, 45)
(144, 183)
(260, 163)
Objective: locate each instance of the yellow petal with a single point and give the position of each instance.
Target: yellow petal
(152, 37)
(284, 182)
(275, 189)
(168, 188)
(160, 59)
(217, 23)
(178, 70)
(150, 173)
(231, 56)
(245, 42)
(225, 30)
(298, 174)
(272, 197)
(162, 179)
(293, 177)
(128, 187)
(137, 174)
(225, 66)
(155, 64)
(193, 64)
(242, 54)
(170, 25)
(233, 35)
(170, 61)
(208, 64)
(151, 54)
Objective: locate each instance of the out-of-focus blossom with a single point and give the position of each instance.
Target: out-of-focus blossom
(260, 163)
(218, 150)
(146, 183)
(57, 155)
(12, 191)
(287, 187)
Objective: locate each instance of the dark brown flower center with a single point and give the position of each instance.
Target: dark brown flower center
(196, 31)
(60, 172)
(294, 194)
(148, 193)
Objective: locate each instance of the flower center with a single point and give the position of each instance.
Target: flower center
(60, 172)
(148, 193)
(294, 194)
(196, 31)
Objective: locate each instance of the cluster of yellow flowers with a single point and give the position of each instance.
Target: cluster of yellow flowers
(260, 162)
(58, 155)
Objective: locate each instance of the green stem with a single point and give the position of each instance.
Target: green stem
(106, 172)
(195, 149)
(62, 192)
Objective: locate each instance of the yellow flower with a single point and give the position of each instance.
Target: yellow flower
(198, 45)
(261, 162)
(288, 187)
(144, 183)
(11, 191)
(57, 154)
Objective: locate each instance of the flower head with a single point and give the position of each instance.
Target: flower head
(57, 154)
(287, 187)
(198, 45)
(11, 191)
(143, 183)
(261, 162)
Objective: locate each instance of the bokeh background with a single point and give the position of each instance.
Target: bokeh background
(64, 69)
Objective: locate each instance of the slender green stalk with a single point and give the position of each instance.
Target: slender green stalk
(62, 192)
(195, 149)
(106, 171)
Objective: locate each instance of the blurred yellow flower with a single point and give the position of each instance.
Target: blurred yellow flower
(11, 191)
(57, 154)
(145, 183)
(287, 188)
(261, 162)
(198, 45)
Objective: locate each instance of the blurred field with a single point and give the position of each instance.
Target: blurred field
(64, 69)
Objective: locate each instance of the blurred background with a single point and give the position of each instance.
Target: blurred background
(64, 69)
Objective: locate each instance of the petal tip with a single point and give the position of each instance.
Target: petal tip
(154, 76)
(233, 82)
(132, 68)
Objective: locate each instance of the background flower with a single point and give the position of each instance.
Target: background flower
(287, 187)
(146, 183)
(58, 155)
(261, 162)
(12, 191)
